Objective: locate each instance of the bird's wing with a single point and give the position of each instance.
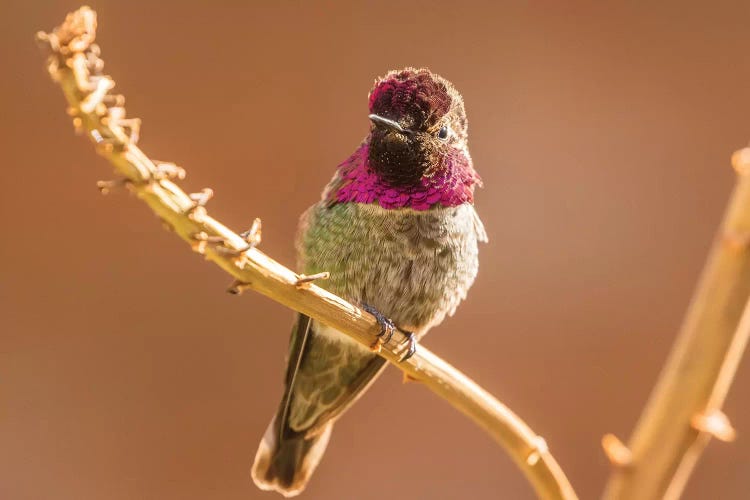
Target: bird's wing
(324, 377)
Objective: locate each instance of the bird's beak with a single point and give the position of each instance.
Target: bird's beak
(387, 123)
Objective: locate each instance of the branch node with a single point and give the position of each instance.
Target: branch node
(81, 75)
(106, 145)
(101, 87)
(540, 448)
(114, 100)
(714, 423)
(130, 126)
(199, 243)
(200, 199)
(198, 211)
(617, 452)
(253, 235)
(303, 279)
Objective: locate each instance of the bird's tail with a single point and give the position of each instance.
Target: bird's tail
(285, 464)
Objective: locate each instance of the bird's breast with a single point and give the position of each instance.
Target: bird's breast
(413, 266)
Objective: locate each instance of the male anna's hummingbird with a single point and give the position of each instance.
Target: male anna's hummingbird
(397, 230)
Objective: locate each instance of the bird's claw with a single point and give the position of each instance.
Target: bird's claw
(386, 327)
(411, 339)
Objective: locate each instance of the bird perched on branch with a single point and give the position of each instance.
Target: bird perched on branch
(397, 230)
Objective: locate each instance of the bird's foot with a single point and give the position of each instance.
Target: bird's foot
(386, 328)
(411, 339)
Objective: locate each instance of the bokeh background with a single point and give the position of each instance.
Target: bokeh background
(603, 134)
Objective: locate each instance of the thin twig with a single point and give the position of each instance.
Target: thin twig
(684, 411)
(75, 65)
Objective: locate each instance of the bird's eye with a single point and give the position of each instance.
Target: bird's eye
(443, 133)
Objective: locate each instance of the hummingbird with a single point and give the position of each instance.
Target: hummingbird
(397, 231)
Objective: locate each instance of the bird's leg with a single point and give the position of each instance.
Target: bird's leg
(386, 327)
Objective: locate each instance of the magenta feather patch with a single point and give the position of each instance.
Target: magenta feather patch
(412, 93)
(451, 185)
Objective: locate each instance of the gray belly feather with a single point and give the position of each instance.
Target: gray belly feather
(413, 266)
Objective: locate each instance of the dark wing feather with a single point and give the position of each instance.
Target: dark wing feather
(297, 342)
(323, 379)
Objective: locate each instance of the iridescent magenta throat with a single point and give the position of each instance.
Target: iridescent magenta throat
(452, 184)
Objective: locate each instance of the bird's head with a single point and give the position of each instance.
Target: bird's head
(418, 124)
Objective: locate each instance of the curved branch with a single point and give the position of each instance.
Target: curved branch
(76, 66)
(684, 410)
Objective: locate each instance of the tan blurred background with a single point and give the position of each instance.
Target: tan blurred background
(603, 134)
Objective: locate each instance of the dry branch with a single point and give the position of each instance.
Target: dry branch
(75, 65)
(684, 410)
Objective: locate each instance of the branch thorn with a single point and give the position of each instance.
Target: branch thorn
(202, 236)
(741, 161)
(251, 237)
(106, 186)
(101, 87)
(78, 124)
(540, 448)
(202, 198)
(168, 170)
(114, 100)
(716, 424)
(237, 287)
(197, 211)
(105, 145)
(303, 279)
(737, 241)
(617, 452)
(130, 126)
(200, 242)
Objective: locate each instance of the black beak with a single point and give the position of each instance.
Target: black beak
(379, 121)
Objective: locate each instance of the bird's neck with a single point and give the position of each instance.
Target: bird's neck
(449, 184)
